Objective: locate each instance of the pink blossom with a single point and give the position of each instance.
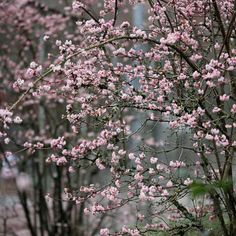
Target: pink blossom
(188, 181)
(169, 184)
(165, 193)
(153, 160)
(104, 232)
(131, 156)
(100, 165)
(224, 98)
(233, 109)
(86, 211)
(216, 109)
(58, 143)
(46, 37)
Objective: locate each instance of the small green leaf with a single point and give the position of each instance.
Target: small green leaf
(198, 189)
